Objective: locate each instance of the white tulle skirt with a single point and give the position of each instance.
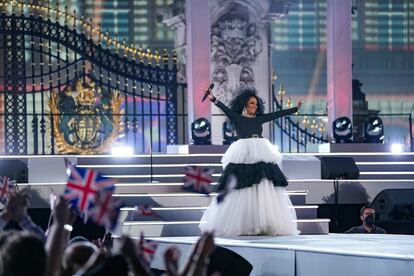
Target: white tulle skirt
(261, 209)
(250, 151)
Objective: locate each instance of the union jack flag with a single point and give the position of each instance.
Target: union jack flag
(6, 186)
(145, 210)
(198, 179)
(106, 209)
(148, 248)
(83, 186)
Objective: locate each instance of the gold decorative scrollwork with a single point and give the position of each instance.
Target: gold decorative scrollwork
(88, 125)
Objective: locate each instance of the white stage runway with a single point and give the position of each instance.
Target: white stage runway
(312, 255)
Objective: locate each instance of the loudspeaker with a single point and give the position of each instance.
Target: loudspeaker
(228, 262)
(338, 167)
(15, 170)
(394, 204)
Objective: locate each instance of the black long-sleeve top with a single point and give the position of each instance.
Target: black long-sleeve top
(248, 127)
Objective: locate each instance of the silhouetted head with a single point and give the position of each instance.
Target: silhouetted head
(81, 254)
(22, 253)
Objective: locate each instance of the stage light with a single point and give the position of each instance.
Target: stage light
(374, 130)
(342, 130)
(201, 132)
(122, 151)
(229, 133)
(397, 148)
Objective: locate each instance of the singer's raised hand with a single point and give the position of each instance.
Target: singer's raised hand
(300, 103)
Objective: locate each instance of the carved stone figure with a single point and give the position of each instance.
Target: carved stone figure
(235, 44)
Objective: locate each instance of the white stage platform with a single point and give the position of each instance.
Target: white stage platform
(310, 255)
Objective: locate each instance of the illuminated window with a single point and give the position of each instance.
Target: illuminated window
(376, 24)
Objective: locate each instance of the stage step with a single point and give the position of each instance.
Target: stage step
(320, 191)
(170, 167)
(190, 228)
(156, 178)
(145, 159)
(188, 199)
(195, 213)
(145, 169)
(159, 194)
(386, 175)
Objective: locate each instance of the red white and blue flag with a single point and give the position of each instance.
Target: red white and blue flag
(198, 179)
(106, 210)
(83, 186)
(148, 248)
(145, 210)
(6, 186)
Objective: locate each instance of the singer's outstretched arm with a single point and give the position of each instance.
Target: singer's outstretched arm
(230, 113)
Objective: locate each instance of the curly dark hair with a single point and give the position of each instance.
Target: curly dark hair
(244, 94)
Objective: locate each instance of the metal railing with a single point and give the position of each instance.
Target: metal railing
(294, 133)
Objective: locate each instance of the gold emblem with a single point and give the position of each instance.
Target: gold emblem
(88, 125)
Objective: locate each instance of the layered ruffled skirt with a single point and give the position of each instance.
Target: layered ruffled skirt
(258, 204)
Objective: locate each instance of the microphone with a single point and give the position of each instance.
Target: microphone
(208, 91)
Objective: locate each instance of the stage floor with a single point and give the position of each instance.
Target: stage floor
(333, 254)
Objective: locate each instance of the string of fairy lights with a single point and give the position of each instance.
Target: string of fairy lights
(88, 28)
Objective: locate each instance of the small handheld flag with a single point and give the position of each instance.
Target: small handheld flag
(198, 179)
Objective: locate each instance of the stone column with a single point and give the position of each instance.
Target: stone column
(173, 16)
(339, 60)
(198, 58)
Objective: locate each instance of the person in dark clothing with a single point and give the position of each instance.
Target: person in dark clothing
(258, 204)
(367, 215)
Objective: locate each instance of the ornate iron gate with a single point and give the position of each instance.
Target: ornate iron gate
(69, 88)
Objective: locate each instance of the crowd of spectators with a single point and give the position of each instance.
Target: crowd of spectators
(25, 249)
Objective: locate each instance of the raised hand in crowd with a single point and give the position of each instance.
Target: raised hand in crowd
(62, 213)
(171, 257)
(58, 235)
(17, 204)
(200, 258)
(16, 207)
(104, 244)
(134, 256)
(16, 210)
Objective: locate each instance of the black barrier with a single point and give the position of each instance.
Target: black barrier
(14, 170)
(338, 167)
(394, 204)
(227, 262)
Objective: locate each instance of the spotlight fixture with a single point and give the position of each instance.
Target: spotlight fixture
(342, 130)
(229, 133)
(374, 130)
(201, 132)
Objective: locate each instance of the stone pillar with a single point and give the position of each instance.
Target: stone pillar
(198, 58)
(173, 16)
(339, 60)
